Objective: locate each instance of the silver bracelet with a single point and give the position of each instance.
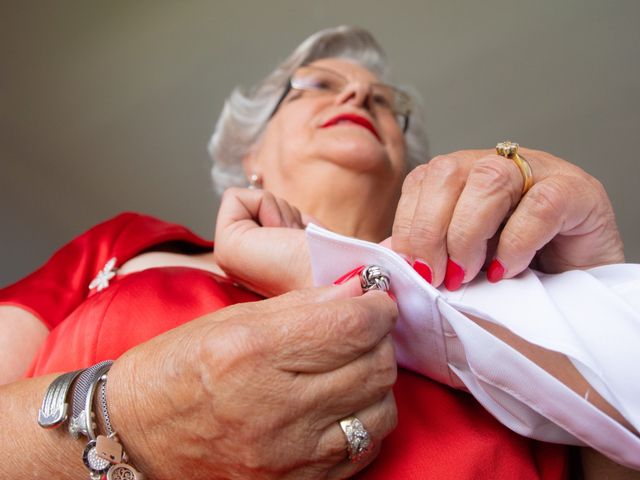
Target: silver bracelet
(102, 454)
(103, 405)
(109, 447)
(54, 409)
(81, 422)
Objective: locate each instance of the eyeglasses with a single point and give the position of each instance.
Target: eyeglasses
(320, 81)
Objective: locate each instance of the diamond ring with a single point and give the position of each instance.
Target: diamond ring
(359, 442)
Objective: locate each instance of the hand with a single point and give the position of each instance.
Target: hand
(260, 242)
(467, 207)
(256, 390)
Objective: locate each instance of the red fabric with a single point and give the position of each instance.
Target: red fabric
(445, 434)
(442, 433)
(57, 288)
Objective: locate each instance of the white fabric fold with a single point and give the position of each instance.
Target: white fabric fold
(592, 317)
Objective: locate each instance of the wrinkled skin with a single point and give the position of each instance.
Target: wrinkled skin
(256, 390)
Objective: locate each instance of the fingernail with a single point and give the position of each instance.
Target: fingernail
(349, 275)
(392, 296)
(423, 270)
(495, 272)
(454, 276)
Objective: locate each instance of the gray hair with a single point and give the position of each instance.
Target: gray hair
(245, 115)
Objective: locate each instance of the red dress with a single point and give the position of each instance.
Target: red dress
(442, 433)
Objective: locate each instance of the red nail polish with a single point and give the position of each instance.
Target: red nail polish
(454, 276)
(423, 270)
(495, 272)
(349, 275)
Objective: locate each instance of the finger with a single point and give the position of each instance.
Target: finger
(492, 189)
(323, 337)
(298, 218)
(242, 208)
(269, 212)
(552, 206)
(289, 218)
(267, 308)
(379, 420)
(405, 211)
(353, 386)
(422, 234)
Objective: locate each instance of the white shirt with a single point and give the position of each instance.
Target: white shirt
(591, 316)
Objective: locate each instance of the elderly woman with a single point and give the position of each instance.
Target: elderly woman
(297, 386)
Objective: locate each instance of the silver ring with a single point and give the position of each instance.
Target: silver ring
(359, 442)
(374, 277)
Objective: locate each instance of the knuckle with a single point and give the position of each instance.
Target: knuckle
(380, 308)
(268, 197)
(346, 320)
(444, 166)
(391, 415)
(352, 315)
(493, 174)
(424, 235)
(414, 177)
(514, 241)
(401, 227)
(598, 188)
(231, 192)
(387, 369)
(383, 372)
(547, 201)
(460, 237)
(227, 196)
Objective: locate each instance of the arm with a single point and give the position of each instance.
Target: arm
(557, 365)
(252, 252)
(21, 334)
(465, 210)
(519, 361)
(194, 401)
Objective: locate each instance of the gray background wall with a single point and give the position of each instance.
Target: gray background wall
(107, 106)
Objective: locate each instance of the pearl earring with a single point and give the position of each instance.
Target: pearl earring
(255, 182)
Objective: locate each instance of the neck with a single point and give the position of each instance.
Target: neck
(362, 220)
(351, 205)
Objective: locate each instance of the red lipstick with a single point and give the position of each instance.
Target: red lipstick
(352, 118)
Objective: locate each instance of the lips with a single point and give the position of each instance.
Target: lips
(354, 119)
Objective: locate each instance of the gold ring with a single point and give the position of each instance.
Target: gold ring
(509, 150)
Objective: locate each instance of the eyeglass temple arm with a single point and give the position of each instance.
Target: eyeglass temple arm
(280, 100)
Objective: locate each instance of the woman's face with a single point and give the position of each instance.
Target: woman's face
(320, 143)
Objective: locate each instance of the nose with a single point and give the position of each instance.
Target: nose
(355, 93)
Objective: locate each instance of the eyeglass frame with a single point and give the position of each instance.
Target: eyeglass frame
(290, 87)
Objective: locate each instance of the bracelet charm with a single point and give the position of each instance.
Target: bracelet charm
(123, 471)
(109, 449)
(97, 466)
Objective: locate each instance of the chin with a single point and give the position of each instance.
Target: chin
(356, 153)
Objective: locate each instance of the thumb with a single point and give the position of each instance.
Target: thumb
(349, 289)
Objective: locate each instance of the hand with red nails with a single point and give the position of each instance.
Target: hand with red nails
(466, 210)
(260, 242)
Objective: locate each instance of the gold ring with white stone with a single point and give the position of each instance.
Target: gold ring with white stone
(509, 150)
(359, 442)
